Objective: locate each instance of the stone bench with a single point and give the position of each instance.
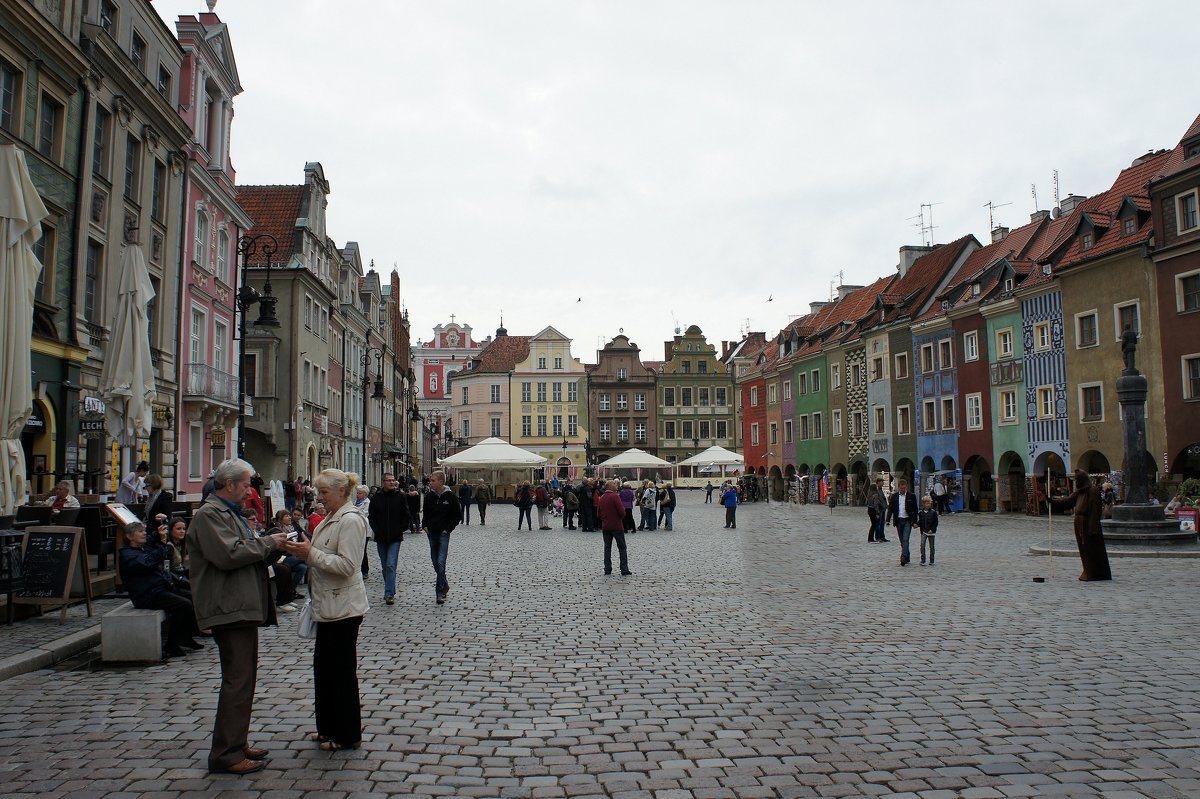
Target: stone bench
(132, 635)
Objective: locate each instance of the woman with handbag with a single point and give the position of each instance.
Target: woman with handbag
(338, 600)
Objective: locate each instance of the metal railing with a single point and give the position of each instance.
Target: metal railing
(202, 380)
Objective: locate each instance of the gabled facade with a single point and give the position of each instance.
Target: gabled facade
(214, 222)
(622, 410)
(548, 402)
(696, 398)
(435, 362)
(480, 401)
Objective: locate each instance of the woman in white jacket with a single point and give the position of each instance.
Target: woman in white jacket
(334, 553)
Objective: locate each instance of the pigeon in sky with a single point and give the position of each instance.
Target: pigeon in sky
(771, 297)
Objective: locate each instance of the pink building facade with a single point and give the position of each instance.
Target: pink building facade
(213, 223)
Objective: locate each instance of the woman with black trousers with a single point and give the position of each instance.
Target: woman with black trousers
(339, 602)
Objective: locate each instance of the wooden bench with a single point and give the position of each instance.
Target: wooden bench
(132, 635)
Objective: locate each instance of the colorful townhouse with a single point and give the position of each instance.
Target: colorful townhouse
(480, 393)
(621, 401)
(1106, 281)
(696, 399)
(548, 403)
(752, 392)
(1175, 205)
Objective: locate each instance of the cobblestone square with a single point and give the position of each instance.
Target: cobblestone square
(788, 658)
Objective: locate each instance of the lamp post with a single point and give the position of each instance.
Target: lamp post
(376, 394)
(245, 299)
(696, 448)
(565, 444)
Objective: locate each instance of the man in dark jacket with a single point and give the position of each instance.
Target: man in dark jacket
(902, 512)
(442, 514)
(587, 516)
(231, 595)
(612, 523)
(388, 514)
(414, 507)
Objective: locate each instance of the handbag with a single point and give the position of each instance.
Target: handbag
(305, 626)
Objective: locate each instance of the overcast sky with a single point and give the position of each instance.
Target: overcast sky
(608, 165)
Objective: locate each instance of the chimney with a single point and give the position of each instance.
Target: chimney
(999, 234)
(844, 290)
(909, 255)
(1069, 204)
(668, 349)
(813, 307)
(1038, 216)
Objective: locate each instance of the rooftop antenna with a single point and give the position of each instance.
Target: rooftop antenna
(991, 206)
(675, 319)
(1033, 191)
(927, 228)
(1056, 188)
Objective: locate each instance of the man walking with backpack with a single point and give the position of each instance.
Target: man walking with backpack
(441, 515)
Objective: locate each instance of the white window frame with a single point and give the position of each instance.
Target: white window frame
(196, 450)
(1183, 366)
(494, 423)
(787, 390)
(901, 366)
(805, 428)
(949, 420)
(1179, 301)
(814, 381)
(879, 414)
(860, 425)
(494, 392)
(1083, 407)
(1040, 392)
(1079, 317)
(774, 433)
(835, 376)
(946, 353)
(974, 408)
(837, 423)
(639, 402)
(1003, 352)
(1015, 417)
(1179, 200)
(1042, 333)
(772, 393)
(881, 374)
(818, 426)
(927, 364)
(605, 402)
(754, 434)
(971, 346)
(1117, 308)
(754, 396)
(929, 416)
(787, 431)
(901, 412)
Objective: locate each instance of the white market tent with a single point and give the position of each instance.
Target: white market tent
(636, 459)
(713, 459)
(715, 456)
(493, 453)
(501, 461)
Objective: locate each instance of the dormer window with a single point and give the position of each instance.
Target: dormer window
(975, 289)
(1087, 240)
(1128, 226)
(1008, 284)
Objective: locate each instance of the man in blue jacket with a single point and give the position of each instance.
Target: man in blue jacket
(902, 512)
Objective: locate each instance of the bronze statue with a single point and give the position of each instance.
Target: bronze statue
(1129, 341)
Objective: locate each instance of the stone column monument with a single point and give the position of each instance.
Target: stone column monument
(1137, 521)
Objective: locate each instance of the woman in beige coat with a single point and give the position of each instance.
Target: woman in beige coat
(334, 554)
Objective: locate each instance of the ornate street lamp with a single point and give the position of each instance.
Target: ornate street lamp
(376, 394)
(245, 299)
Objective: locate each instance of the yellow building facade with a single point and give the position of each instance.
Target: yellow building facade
(548, 403)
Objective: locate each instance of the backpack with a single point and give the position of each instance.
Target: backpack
(648, 498)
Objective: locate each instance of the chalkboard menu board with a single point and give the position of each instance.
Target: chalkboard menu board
(55, 565)
(47, 558)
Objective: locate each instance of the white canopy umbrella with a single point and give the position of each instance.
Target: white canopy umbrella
(127, 380)
(21, 215)
(714, 456)
(636, 459)
(494, 453)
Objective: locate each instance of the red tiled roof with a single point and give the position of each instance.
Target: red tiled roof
(654, 366)
(917, 285)
(274, 210)
(1132, 182)
(502, 355)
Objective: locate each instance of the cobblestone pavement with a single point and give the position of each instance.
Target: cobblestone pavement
(36, 630)
(788, 658)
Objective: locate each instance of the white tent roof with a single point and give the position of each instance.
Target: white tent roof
(714, 456)
(495, 453)
(635, 459)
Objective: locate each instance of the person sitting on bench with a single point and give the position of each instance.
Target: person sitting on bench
(151, 587)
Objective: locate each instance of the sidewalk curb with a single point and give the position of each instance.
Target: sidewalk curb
(49, 653)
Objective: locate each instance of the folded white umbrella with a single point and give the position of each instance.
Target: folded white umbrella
(127, 380)
(21, 215)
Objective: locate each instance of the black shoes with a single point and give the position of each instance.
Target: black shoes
(626, 574)
(191, 643)
(173, 651)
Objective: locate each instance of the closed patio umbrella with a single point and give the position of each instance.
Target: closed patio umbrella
(21, 215)
(127, 380)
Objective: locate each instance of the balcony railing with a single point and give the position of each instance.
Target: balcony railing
(207, 382)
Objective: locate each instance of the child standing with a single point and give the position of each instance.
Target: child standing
(927, 522)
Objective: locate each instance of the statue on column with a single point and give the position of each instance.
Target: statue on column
(1129, 340)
